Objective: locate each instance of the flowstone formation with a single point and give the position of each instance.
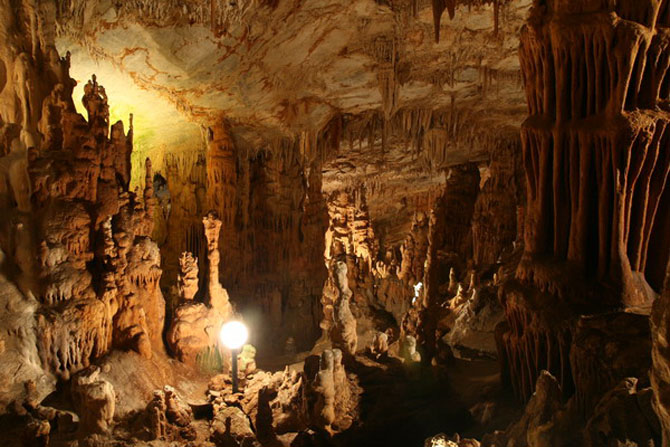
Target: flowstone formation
(597, 162)
(76, 239)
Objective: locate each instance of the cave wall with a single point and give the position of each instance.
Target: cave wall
(596, 158)
(76, 241)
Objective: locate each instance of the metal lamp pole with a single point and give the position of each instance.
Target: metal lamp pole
(234, 372)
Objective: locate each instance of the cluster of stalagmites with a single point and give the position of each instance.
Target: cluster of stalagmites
(128, 309)
(285, 406)
(75, 235)
(416, 282)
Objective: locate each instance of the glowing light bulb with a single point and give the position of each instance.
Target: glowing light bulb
(233, 334)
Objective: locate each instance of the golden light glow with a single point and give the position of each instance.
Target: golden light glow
(233, 334)
(158, 127)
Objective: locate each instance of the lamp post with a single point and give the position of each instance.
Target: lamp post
(233, 335)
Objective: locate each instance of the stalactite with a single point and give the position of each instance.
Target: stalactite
(450, 5)
(438, 9)
(596, 158)
(430, 134)
(617, 227)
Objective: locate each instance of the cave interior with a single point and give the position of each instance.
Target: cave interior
(440, 223)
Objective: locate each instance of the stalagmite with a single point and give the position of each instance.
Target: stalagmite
(343, 332)
(409, 352)
(218, 297)
(414, 218)
(195, 326)
(187, 280)
(95, 401)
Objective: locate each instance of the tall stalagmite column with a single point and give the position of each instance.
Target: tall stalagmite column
(595, 145)
(218, 296)
(597, 156)
(222, 178)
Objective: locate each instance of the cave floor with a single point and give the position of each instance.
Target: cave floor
(399, 404)
(403, 405)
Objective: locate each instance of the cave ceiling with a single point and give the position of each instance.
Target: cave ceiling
(276, 70)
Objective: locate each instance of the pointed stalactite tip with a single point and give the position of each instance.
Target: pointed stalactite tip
(438, 9)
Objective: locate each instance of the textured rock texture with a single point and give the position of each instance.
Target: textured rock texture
(596, 162)
(660, 373)
(337, 97)
(303, 62)
(344, 176)
(76, 239)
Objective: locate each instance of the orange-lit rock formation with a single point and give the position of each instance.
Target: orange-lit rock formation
(596, 162)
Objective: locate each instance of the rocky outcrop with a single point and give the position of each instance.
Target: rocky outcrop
(168, 418)
(94, 400)
(660, 371)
